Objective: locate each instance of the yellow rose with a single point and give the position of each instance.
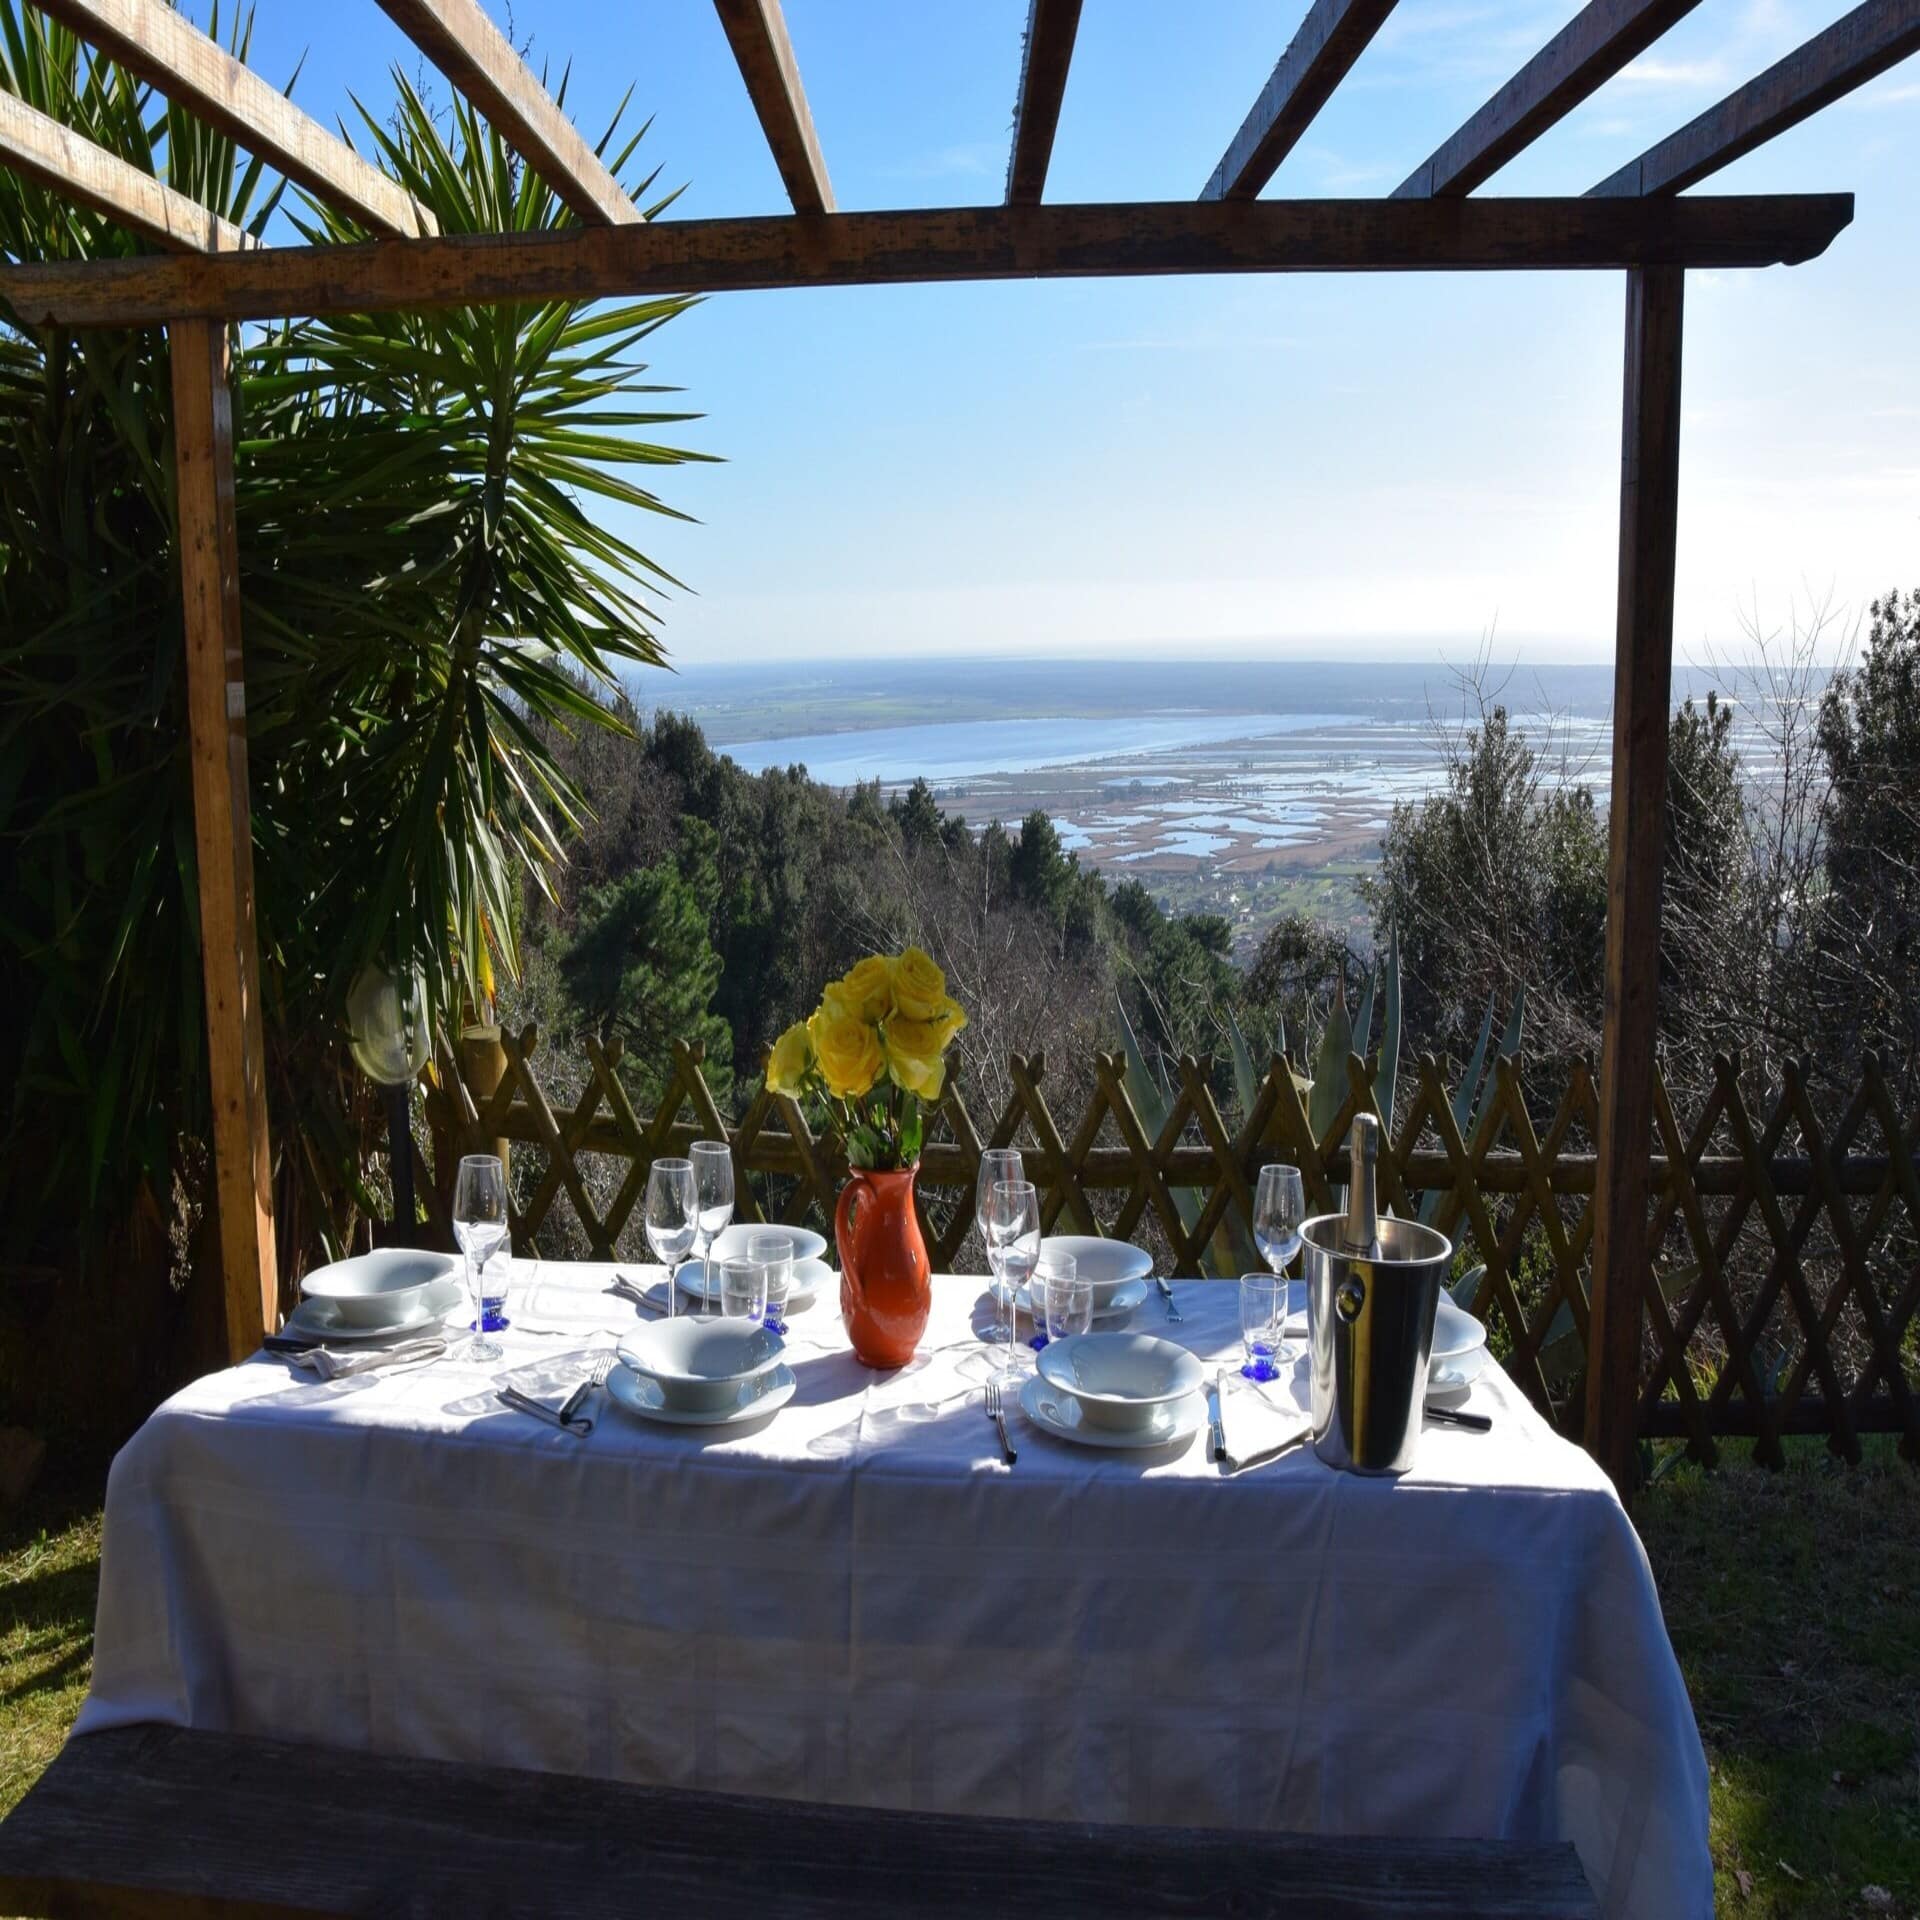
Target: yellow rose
(868, 989)
(949, 1018)
(914, 1048)
(846, 1048)
(792, 1056)
(919, 987)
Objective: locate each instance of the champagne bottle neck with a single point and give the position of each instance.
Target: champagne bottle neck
(1363, 1216)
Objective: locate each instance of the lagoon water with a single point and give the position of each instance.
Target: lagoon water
(958, 750)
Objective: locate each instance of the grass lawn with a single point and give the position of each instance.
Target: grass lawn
(1793, 1600)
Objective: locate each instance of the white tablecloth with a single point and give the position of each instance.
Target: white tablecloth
(857, 1601)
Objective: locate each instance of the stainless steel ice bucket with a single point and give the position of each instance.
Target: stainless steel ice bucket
(1371, 1327)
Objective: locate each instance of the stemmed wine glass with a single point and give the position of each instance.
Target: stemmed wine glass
(1013, 1248)
(713, 1177)
(480, 1225)
(1279, 1207)
(672, 1218)
(997, 1164)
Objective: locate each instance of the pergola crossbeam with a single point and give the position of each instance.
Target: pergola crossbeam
(1044, 59)
(1852, 51)
(197, 73)
(937, 244)
(458, 37)
(36, 145)
(757, 32)
(1587, 52)
(1332, 37)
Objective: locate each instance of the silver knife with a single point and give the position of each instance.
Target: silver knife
(1217, 1433)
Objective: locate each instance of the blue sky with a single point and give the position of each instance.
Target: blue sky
(1315, 466)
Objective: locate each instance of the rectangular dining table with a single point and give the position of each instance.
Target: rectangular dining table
(857, 1601)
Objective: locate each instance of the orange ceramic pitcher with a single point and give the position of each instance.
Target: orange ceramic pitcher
(886, 1282)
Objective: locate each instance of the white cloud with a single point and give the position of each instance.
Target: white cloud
(1674, 73)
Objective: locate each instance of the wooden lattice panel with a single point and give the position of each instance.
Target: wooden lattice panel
(1786, 1277)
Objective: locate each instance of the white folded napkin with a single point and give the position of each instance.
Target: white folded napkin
(336, 1363)
(1260, 1420)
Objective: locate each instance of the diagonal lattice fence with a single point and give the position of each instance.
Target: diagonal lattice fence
(1786, 1274)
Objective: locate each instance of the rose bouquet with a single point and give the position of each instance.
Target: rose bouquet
(875, 1050)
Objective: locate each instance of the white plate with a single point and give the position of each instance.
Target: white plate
(1120, 1379)
(1175, 1423)
(320, 1320)
(758, 1398)
(1455, 1331)
(1125, 1300)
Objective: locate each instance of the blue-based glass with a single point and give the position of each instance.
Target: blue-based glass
(1263, 1306)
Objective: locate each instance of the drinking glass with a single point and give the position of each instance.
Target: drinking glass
(1263, 1307)
(1069, 1299)
(713, 1175)
(772, 1253)
(1279, 1207)
(1013, 1246)
(743, 1290)
(672, 1218)
(997, 1164)
(480, 1226)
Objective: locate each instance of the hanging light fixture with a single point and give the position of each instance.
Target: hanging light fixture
(387, 1030)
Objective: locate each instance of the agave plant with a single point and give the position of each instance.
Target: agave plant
(427, 583)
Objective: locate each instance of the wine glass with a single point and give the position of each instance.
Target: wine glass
(1279, 1207)
(1013, 1248)
(1263, 1311)
(997, 1164)
(672, 1218)
(743, 1290)
(713, 1176)
(772, 1253)
(1069, 1299)
(480, 1226)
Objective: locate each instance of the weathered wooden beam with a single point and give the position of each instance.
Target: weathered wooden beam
(459, 38)
(1332, 37)
(757, 32)
(1045, 56)
(934, 244)
(1868, 41)
(1636, 835)
(40, 147)
(1587, 52)
(222, 827)
(197, 73)
(145, 1821)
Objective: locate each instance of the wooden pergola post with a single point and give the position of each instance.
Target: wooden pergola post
(1642, 690)
(223, 834)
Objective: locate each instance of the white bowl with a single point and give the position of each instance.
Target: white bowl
(1456, 1332)
(386, 1288)
(730, 1243)
(1107, 1264)
(1120, 1378)
(700, 1364)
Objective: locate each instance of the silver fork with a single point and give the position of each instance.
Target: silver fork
(572, 1404)
(1166, 1299)
(996, 1412)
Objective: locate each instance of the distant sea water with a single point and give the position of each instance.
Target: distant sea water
(964, 749)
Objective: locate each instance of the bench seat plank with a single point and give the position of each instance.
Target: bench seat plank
(161, 1821)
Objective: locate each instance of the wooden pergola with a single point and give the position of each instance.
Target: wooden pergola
(204, 275)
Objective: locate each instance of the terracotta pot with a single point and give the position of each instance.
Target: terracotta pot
(886, 1281)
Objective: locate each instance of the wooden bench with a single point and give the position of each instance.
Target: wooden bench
(159, 1821)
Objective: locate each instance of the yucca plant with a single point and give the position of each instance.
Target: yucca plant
(427, 585)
